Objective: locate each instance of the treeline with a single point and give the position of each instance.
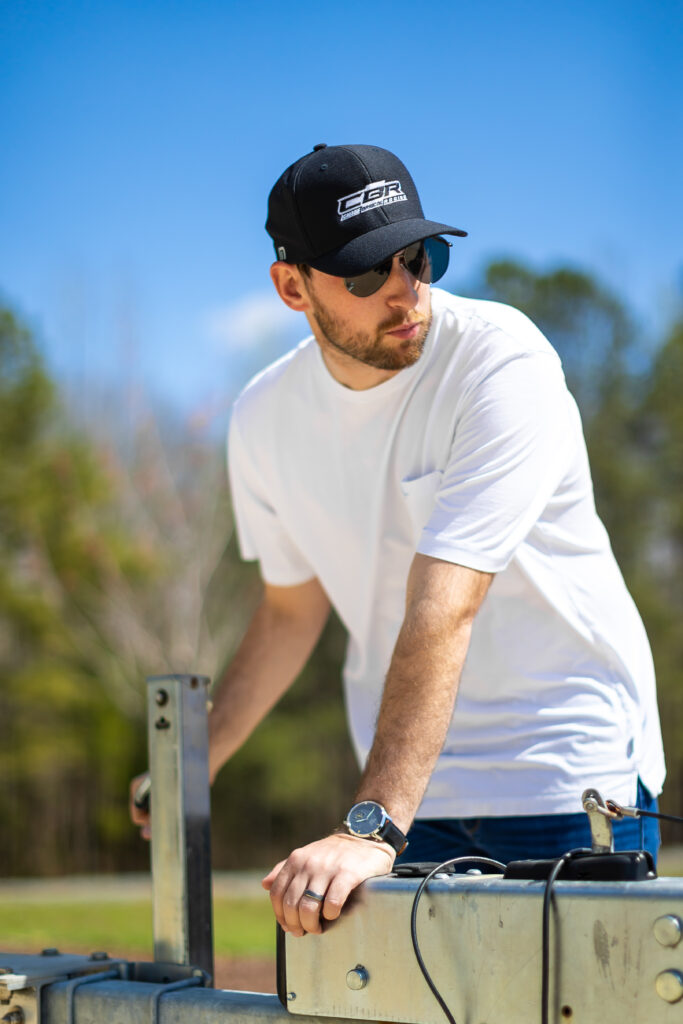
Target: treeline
(118, 561)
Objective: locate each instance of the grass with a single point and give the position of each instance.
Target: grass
(123, 926)
(242, 928)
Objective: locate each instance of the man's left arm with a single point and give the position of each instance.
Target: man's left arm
(442, 600)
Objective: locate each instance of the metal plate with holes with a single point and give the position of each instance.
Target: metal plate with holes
(614, 953)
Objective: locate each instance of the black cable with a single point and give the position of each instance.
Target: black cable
(413, 922)
(637, 812)
(547, 896)
(654, 814)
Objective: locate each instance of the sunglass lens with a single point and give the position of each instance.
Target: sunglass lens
(363, 285)
(415, 260)
(438, 253)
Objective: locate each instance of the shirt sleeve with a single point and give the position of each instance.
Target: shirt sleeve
(260, 533)
(509, 452)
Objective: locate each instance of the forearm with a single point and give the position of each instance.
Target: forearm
(415, 713)
(421, 685)
(281, 635)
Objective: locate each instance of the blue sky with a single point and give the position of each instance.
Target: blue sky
(140, 140)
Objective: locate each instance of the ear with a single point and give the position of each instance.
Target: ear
(289, 284)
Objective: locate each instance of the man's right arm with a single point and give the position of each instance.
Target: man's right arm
(281, 635)
(283, 631)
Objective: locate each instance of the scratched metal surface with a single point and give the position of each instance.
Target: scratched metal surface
(481, 940)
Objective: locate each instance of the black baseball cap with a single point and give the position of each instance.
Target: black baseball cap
(344, 209)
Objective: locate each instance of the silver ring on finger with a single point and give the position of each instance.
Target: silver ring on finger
(314, 895)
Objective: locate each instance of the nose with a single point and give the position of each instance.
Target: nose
(401, 287)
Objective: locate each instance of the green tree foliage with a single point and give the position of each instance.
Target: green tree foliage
(62, 735)
(661, 593)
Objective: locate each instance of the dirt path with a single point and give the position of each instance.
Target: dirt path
(245, 975)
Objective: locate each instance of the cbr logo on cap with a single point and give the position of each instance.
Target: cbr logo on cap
(377, 193)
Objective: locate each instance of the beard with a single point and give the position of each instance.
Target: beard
(372, 348)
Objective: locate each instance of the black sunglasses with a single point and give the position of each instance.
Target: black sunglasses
(426, 260)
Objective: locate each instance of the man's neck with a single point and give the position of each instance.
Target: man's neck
(352, 373)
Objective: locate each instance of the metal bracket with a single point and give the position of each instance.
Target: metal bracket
(171, 987)
(86, 979)
(600, 820)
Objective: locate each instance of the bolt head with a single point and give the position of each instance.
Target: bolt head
(668, 930)
(161, 697)
(357, 978)
(669, 986)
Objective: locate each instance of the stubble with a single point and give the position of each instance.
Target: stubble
(373, 349)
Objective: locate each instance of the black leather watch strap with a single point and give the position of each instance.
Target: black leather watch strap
(392, 834)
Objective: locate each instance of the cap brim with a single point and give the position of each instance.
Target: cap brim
(366, 251)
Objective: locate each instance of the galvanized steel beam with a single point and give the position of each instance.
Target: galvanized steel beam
(181, 834)
(129, 1002)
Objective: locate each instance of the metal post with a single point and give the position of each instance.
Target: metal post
(181, 837)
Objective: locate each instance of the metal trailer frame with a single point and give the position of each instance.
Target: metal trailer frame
(616, 950)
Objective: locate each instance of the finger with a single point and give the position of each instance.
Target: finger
(286, 892)
(272, 875)
(278, 883)
(310, 908)
(337, 894)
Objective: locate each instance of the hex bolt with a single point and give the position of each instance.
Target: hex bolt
(667, 930)
(291, 996)
(357, 978)
(161, 698)
(669, 986)
(99, 954)
(50, 951)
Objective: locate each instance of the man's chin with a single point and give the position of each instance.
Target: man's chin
(398, 357)
(395, 353)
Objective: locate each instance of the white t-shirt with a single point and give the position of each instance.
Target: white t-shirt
(474, 455)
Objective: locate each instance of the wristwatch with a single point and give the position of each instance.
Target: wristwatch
(369, 820)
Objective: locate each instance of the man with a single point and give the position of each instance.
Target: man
(419, 464)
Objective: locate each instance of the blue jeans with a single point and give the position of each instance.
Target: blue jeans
(532, 837)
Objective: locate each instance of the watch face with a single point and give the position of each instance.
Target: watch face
(366, 817)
